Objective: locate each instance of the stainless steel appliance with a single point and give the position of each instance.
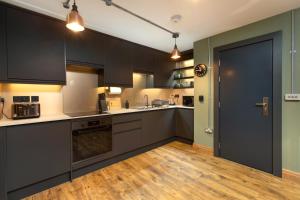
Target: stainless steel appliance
(188, 101)
(22, 108)
(91, 138)
(159, 103)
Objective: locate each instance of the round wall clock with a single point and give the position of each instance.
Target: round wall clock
(200, 70)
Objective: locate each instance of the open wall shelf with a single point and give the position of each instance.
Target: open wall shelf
(184, 68)
(182, 78)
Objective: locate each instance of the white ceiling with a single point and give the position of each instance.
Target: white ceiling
(200, 18)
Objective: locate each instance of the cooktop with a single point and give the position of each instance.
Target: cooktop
(82, 114)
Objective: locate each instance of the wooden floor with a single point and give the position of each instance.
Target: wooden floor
(174, 171)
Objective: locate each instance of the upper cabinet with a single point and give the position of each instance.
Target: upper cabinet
(3, 56)
(118, 68)
(35, 48)
(143, 59)
(87, 47)
(163, 70)
(153, 61)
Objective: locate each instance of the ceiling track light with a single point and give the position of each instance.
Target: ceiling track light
(175, 54)
(74, 21)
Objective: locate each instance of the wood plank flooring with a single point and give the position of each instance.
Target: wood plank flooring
(174, 171)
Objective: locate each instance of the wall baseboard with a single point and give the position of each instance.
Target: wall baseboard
(203, 149)
(291, 175)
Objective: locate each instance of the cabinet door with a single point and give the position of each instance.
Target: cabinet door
(185, 123)
(86, 47)
(37, 152)
(127, 141)
(143, 59)
(163, 70)
(158, 126)
(35, 48)
(2, 163)
(3, 63)
(118, 68)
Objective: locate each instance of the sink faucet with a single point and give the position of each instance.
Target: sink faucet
(147, 100)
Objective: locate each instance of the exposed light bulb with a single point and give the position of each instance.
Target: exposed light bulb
(74, 20)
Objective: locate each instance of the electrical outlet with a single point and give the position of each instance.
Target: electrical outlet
(292, 97)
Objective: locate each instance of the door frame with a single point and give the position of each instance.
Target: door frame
(276, 37)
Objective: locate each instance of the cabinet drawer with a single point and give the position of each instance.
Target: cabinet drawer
(126, 118)
(127, 126)
(127, 141)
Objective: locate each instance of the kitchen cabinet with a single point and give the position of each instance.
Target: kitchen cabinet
(158, 125)
(2, 163)
(37, 152)
(118, 69)
(35, 48)
(127, 141)
(163, 70)
(127, 133)
(143, 59)
(185, 123)
(3, 56)
(86, 47)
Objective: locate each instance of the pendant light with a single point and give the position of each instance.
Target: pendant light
(175, 53)
(74, 20)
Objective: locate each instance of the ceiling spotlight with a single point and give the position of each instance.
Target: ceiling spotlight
(74, 20)
(175, 54)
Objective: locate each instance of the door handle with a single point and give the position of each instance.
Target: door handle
(265, 106)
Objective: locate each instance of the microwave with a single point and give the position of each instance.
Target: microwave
(188, 101)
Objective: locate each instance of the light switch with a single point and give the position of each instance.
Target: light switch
(292, 97)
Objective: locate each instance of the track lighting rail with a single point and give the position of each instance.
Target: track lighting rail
(111, 3)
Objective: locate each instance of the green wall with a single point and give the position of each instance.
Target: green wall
(290, 110)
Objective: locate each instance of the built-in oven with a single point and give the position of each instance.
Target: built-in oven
(91, 138)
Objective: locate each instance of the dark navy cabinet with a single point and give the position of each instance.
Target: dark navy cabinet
(2, 163)
(3, 56)
(158, 125)
(37, 152)
(163, 70)
(118, 69)
(35, 48)
(127, 132)
(87, 47)
(143, 59)
(185, 123)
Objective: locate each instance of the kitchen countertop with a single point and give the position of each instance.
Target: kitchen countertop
(9, 122)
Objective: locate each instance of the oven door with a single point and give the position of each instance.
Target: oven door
(92, 142)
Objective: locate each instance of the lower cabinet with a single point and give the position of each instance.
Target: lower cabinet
(2, 163)
(158, 125)
(37, 152)
(127, 141)
(185, 123)
(127, 133)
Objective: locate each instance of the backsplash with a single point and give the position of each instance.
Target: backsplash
(50, 96)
